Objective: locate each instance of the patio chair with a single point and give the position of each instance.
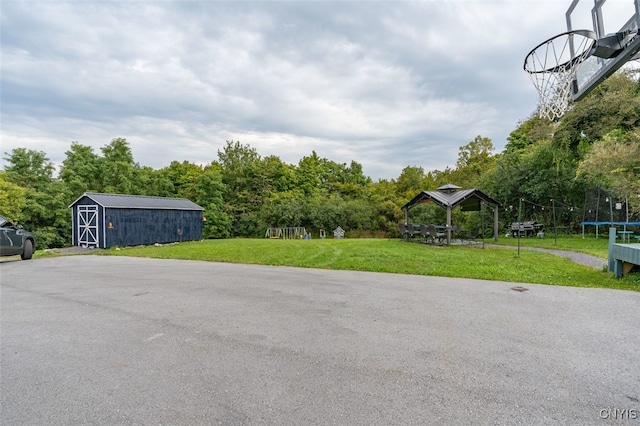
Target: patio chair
(403, 229)
(435, 235)
(415, 230)
(424, 232)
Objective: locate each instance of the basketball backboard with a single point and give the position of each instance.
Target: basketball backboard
(616, 26)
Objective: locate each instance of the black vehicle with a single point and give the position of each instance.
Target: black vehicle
(15, 240)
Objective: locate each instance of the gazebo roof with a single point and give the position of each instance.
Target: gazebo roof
(451, 196)
(449, 188)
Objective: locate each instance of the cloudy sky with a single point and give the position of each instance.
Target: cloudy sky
(389, 84)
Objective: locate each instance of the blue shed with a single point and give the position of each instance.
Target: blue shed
(108, 220)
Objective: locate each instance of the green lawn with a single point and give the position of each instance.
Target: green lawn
(589, 245)
(395, 256)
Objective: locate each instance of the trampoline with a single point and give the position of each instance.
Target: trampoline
(607, 223)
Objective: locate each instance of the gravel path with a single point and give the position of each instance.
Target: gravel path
(72, 250)
(581, 258)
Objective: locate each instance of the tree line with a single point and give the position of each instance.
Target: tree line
(595, 145)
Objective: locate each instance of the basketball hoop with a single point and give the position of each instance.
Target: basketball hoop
(552, 66)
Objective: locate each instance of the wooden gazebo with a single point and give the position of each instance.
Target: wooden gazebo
(450, 196)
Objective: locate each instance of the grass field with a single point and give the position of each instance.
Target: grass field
(589, 245)
(396, 256)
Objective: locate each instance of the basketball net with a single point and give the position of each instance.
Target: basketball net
(552, 67)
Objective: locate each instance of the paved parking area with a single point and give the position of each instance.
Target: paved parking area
(115, 340)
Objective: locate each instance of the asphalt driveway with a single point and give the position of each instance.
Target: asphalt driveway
(115, 340)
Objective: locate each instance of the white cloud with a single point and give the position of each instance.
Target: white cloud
(387, 84)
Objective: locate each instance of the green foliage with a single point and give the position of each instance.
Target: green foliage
(80, 170)
(237, 163)
(246, 224)
(428, 213)
(283, 210)
(311, 174)
(474, 161)
(536, 173)
(614, 104)
(28, 168)
(359, 215)
(389, 214)
(614, 162)
(327, 213)
(530, 131)
(217, 224)
(476, 151)
(270, 175)
(12, 199)
(182, 177)
(118, 170)
(154, 183)
(41, 203)
(595, 144)
(209, 189)
(410, 182)
(46, 214)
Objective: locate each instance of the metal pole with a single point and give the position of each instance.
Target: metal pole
(482, 220)
(612, 242)
(597, 211)
(519, 224)
(496, 225)
(555, 227)
(626, 203)
(448, 225)
(596, 16)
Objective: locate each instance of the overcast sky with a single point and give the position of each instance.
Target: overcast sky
(387, 84)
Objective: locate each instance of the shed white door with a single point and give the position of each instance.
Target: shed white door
(87, 223)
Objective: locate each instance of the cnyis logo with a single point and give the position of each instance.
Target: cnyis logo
(619, 414)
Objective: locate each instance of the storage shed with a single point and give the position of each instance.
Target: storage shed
(109, 220)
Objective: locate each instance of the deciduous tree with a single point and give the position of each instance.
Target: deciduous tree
(80, 170)
(117, 168)
(28, 168)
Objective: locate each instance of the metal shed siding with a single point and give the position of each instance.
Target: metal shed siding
(130, 221)
(130, 227)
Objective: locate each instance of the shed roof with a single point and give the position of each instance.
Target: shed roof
(121, 201)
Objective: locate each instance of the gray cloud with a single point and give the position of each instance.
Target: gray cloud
(387, 84)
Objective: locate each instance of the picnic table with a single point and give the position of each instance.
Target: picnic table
(625, 235)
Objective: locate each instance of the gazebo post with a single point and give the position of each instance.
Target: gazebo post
(448, 225)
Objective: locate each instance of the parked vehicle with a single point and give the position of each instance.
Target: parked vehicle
(15, 240)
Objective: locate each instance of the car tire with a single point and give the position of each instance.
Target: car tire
(27, 251)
